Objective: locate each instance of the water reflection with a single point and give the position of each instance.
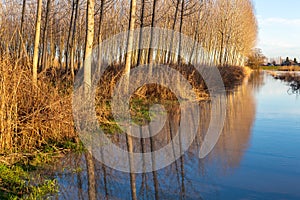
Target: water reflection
(237, 129)
(81, 177)
(292, 78)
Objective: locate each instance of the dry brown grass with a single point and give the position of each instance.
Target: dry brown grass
(31, 116)
(150, 94)
(289, 68)
(232, 76)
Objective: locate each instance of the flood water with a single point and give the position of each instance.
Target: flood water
(256, 157)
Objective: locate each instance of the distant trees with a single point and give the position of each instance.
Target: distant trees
(289, 62)
(283, 62)
(256, 59)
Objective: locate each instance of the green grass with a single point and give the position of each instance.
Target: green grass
(139, 111)
(20, 180)
(17, 183)
(269, 67)
(281, 68)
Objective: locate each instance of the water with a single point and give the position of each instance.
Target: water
(256, 157)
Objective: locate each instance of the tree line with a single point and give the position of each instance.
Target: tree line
(49, 33)
(60, 34)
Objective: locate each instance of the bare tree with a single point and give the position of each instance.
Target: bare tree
(132, 18)
(45, 36)
(89, 44)
(141, 33)
(150, 56)
(37, 41)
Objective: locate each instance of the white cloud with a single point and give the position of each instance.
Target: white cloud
(279, 36)
(277, 21)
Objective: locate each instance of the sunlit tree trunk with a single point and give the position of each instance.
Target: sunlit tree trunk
(150, 56)
(37, 42)
(173, 29)
(89, 45)
(130, 38)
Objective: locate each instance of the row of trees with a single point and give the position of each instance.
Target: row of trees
(57, 34)
(50, 33)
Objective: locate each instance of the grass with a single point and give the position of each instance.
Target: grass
(19, 177)
(32, 117)
(151, 94)
(17, 183)
(281, 68)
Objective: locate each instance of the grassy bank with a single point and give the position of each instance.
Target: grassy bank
(19, 172)
(36, 122)
(33, 117)
(17, 183)
(281, 68)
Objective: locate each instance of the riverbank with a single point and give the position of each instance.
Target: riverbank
(292, 78)
(36, 121)
(281, 68)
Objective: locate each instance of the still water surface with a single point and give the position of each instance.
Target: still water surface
(257, 155)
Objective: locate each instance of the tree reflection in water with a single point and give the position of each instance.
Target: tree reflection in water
(81, 177)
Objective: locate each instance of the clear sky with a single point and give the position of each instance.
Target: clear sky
(279, 27)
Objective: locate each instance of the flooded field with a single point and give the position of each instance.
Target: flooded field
(256, 157)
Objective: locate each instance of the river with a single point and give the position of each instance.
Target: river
(256, 157)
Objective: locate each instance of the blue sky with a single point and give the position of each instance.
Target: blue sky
(279, 27)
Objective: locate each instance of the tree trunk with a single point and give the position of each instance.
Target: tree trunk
(21, 29)
(180, 31)
(89, 45)
(150, 56)
(69, 36)
(140, 51)
(100, 34)
(91, 176)
(173, 29)
(128, 59)
(45, 37)
(36, 42)
(73, 48)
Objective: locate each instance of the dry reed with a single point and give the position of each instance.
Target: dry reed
(31, 116)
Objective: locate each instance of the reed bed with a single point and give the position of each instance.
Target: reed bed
(35, 116)
(32, 117)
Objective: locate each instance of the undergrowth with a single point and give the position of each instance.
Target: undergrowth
(17, 183)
